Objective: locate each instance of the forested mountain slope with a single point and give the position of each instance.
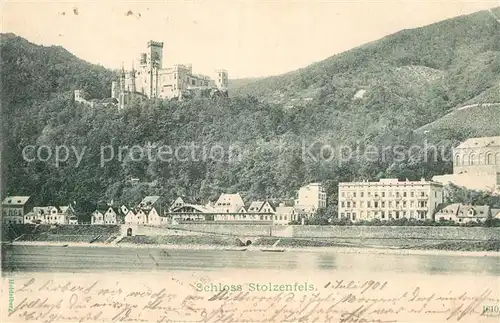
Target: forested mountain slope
(281, 129)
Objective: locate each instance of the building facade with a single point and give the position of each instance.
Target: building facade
(312, 195)
(476, 165)
(107, 215)
(14, 208)
(51, 215)
(229, 203)
(284, 215)
(389, 199)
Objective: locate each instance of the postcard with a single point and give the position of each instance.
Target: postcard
(250, 161)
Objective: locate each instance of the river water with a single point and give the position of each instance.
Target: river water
(111, 259)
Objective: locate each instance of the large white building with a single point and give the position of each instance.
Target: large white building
(389, 199)
(476, 165)
(312, 196)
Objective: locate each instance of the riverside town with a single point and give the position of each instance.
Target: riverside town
(383, 202)
(172, 149)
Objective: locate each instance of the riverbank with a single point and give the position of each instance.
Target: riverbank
(340, 249)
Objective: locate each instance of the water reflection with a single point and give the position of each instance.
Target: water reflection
(83, 259)
(326, 261)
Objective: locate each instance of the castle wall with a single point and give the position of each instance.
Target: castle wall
(476, 161)
(489, 183)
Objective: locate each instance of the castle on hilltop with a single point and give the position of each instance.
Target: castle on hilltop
(151, 80)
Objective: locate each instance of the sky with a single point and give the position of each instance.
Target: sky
(248, 38)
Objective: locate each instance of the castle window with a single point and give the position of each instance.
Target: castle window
(471, 160)
(457, 160)
(488, 159)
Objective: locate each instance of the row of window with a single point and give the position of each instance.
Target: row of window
(250, 217)
(13, 221)
(12, 212)
(383, 204)
(471, 159)
(389, 194)
(268, 218)
(384, 215)
(50, 218)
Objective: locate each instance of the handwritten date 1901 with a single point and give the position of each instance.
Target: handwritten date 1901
(363, 286)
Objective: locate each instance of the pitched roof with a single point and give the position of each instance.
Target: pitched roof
(285, 209)
(481, 142)
(450, 209)
(43, 209)
(271, 204)
(230, 197)
(185, 199)
(149, 200)
(479, 211)
(304, 208)
(15, 200)
(495, 213)
(255, 206)
(197, 207)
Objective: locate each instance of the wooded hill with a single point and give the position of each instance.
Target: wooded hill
(377, 94)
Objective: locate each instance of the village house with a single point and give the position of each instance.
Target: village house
(260, 211)
(106, 215)
(228, 203)
(463, 213)
(470, 213)
(154, 218)
(153, 201)
(185, 209)
(130, 217)
(177, 203)
(284, 214)
(51, 215)
(14, 208)
(148, 212)
(70, 211)
(448, 213)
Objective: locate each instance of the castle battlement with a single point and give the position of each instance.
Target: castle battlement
(151, 80)
(155, 43)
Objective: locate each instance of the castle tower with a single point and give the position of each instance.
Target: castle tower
(114, 90)
(132, 79)
(122, 80)
(221, 79)
(155, 53)
(155, 61)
